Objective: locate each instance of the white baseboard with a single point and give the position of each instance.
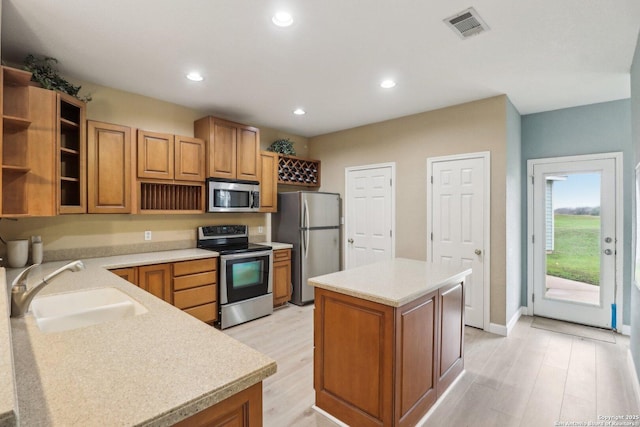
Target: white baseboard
(504, 331)
(634, 375)
(514, 319)
(626, 330)
(494, 328)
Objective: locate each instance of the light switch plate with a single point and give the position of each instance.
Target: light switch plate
(260, 230)
(147, 235)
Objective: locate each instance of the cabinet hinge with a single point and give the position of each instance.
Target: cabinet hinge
(531, 179)
(533, 238)
(533, 297)
(432, 237)
(432, 179)
(390, 233)
(390, 182)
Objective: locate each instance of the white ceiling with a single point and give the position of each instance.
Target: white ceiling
(544, 54)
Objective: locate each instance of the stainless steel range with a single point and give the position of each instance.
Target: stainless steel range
(245, 273)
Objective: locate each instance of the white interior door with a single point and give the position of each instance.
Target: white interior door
(574, 239)
(457, 225)
(369, 207)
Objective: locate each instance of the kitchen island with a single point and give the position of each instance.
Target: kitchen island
(388, 339)
(153, 369)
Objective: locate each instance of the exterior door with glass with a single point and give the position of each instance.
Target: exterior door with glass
(573, 238)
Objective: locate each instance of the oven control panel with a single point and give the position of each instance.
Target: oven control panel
(217, 231)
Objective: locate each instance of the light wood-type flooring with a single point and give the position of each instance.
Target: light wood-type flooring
(532, 378)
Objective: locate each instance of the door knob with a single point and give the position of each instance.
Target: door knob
(350, 240)
(478, 252)
(608, 251)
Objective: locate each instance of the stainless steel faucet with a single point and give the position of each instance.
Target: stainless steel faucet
(21, 297)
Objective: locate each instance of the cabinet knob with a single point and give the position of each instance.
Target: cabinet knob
(478, 252)
(350, 240)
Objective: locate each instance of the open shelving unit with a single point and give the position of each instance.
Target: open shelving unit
(298, 171)
(14, 143)
(71, 154)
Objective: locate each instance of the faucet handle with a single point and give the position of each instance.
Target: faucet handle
(21, 278)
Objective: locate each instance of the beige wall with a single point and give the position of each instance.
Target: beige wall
(409, 141)
(125, 108)
(72, 232)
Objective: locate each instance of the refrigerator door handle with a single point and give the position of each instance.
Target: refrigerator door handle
(305, 224)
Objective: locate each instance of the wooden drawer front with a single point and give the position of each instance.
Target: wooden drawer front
(194, 280)
(196, 296)
(195, 266)
(207, 312)
(281, 255)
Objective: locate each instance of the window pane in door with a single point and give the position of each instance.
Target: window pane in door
(572, 237)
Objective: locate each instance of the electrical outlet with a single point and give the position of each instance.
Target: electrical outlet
(260, 229)
(147, 235)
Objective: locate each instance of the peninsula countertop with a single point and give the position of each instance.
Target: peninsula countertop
(394, 283)
(152, 369)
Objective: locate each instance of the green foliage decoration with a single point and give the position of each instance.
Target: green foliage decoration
(282, 146)
(44, 71)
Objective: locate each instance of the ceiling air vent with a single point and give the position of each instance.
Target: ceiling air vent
(466, 23)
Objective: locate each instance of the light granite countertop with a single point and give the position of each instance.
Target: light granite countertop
(8, 390)
(394, 283)
(152, 369)
(277, 245)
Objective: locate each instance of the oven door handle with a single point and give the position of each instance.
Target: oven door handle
(246, 255)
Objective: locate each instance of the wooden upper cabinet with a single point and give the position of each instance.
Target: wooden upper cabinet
(189, 159)
(232, 148)
(109, 168)
(170, 157)
(268, 181)
(41, 136)
(222, 150)
(248, 151)
(155, 155)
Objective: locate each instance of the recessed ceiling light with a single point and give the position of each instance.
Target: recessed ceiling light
(299, 112)
(387, 84)
(195, 77)
(282, 19)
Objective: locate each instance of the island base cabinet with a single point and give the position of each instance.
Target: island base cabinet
(377, 365)
(243, 409)
(451, 345)
(353, 359)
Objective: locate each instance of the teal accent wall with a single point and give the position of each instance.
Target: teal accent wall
(590, 129)
(634, 344)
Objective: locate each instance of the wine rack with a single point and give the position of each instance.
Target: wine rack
(170, 197)
(298, 171)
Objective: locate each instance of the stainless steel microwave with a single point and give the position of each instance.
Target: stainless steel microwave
(225, 195)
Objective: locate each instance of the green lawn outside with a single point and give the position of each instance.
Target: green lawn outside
(577, 249)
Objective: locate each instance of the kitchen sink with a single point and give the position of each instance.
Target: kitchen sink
(72, 310)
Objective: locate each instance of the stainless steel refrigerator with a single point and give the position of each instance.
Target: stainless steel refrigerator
(311, 222)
